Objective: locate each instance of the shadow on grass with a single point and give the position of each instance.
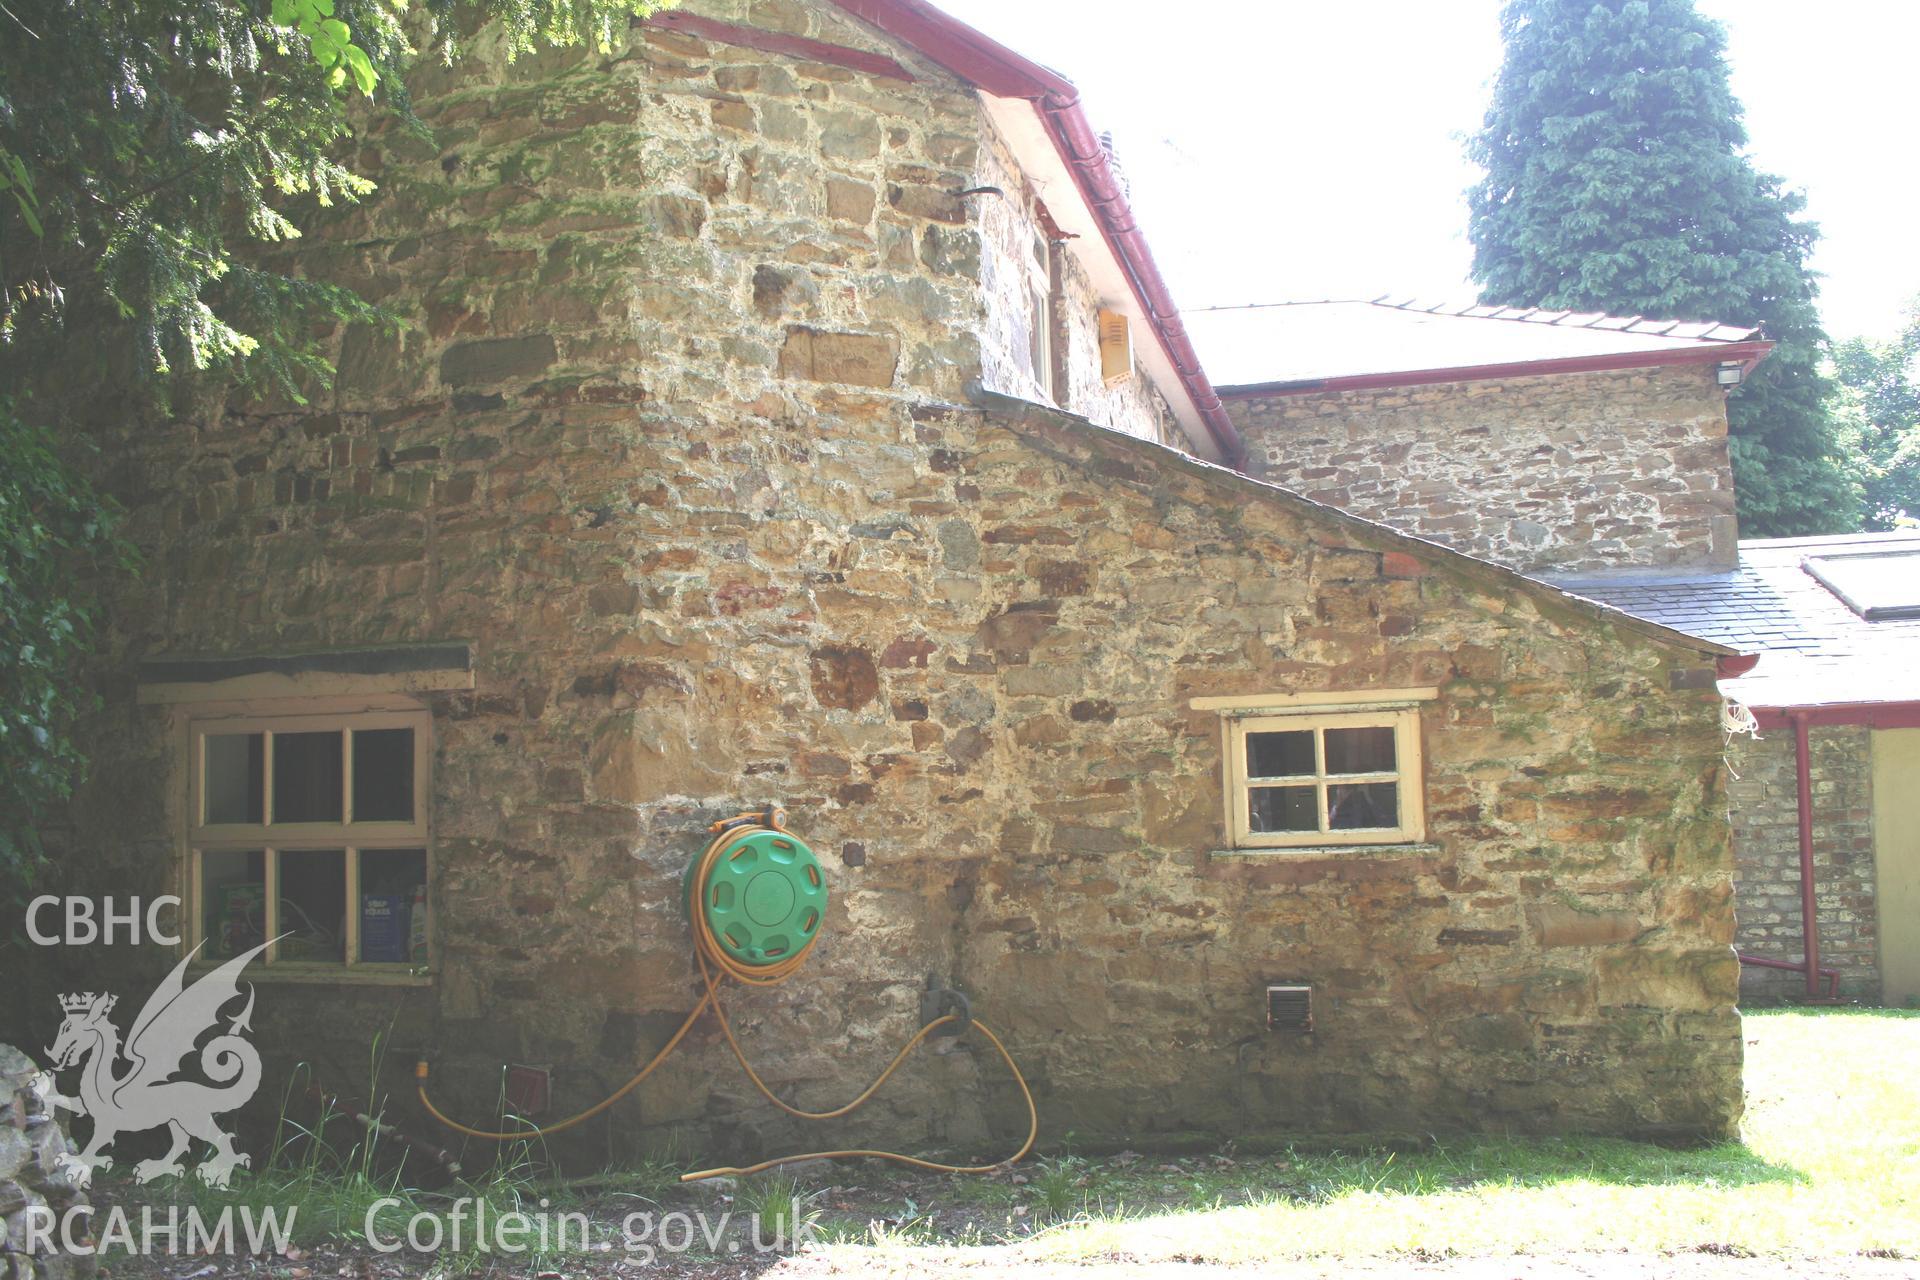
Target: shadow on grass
(1471, 1164)
(1134, 1185)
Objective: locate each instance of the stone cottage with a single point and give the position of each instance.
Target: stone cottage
(789, 409)
(1590, 451)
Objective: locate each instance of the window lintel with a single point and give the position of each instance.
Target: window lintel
(1318, 702)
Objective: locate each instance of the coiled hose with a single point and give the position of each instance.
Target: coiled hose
(711, 959)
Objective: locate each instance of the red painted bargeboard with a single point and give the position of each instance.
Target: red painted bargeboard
(835, 55)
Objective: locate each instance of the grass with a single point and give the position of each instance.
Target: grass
(340, 1178)
(1829, 1165)
(780, 1209)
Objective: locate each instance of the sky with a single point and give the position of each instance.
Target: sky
(1288, 150)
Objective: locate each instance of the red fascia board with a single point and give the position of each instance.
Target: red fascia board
(835, 55)
(976, 58)
(1872, 715)
(993, 68)
(1746, 354)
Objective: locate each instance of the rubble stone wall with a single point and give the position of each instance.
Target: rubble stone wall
(32, 1183)
(681, 456)
(1569, 472)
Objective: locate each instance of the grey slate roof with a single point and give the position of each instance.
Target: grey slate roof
(1303, 341)
(1813, 648)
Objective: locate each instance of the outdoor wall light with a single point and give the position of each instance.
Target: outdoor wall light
(1727, 375)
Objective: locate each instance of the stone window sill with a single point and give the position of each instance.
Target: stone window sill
(1330, 851)
(328, 974)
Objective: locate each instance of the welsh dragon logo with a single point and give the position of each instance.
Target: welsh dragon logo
(146, 1095)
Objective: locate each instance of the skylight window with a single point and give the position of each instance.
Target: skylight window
(1875, 585)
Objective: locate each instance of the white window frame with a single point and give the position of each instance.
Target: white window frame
(1043, 315)
(1398, 709)
(273, 839)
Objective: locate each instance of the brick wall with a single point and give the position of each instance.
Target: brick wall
(1766, 835)
(1569, 473)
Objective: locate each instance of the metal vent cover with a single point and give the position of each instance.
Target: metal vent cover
(1289, 1007)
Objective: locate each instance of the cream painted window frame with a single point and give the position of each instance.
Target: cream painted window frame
(1398, 709)
(273, 840)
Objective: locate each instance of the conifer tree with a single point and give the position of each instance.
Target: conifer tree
(149, 149)
(1616, 181)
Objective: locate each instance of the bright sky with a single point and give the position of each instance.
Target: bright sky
(1280, 149)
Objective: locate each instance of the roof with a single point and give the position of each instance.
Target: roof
(1814, 648)
(1273, 348)
(1034, 419)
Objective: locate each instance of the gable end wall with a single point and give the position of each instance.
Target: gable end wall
(1568, 472)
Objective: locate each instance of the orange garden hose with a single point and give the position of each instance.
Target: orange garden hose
(709, 955)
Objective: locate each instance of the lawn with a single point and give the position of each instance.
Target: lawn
(1829, 1168)
(1830, 1165)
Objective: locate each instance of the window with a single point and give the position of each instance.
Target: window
(1876, 585)
(1040, 331)
(1322, 769)
(311, 832)
(1045, 356)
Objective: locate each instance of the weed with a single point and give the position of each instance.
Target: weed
(911, 1232)
(334, 1175)
(782, 1213)
(1058, 1185)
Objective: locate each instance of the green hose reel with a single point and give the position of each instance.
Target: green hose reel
(764, 898)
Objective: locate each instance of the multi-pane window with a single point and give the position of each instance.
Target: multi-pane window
(310, 833)
(1299, 779)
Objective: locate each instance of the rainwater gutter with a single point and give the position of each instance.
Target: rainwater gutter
(998, 70)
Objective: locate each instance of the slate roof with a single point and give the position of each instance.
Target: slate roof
(1814, 649)
(1353, 337)
(1704, 331)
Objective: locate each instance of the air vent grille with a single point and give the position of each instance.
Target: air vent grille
(1116, 348)
(1289, 1008)
(529, 1089)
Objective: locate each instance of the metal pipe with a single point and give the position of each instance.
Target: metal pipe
(1809, 919)
(1794, 966)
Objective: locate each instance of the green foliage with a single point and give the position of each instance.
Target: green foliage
(782, 1211)
(1879, 386)
(53, 526)
(329, 40)
(15, 180)
(1058, 1183)
(150, 150)
(151, 146)
(160, 139)
(1616, 181)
